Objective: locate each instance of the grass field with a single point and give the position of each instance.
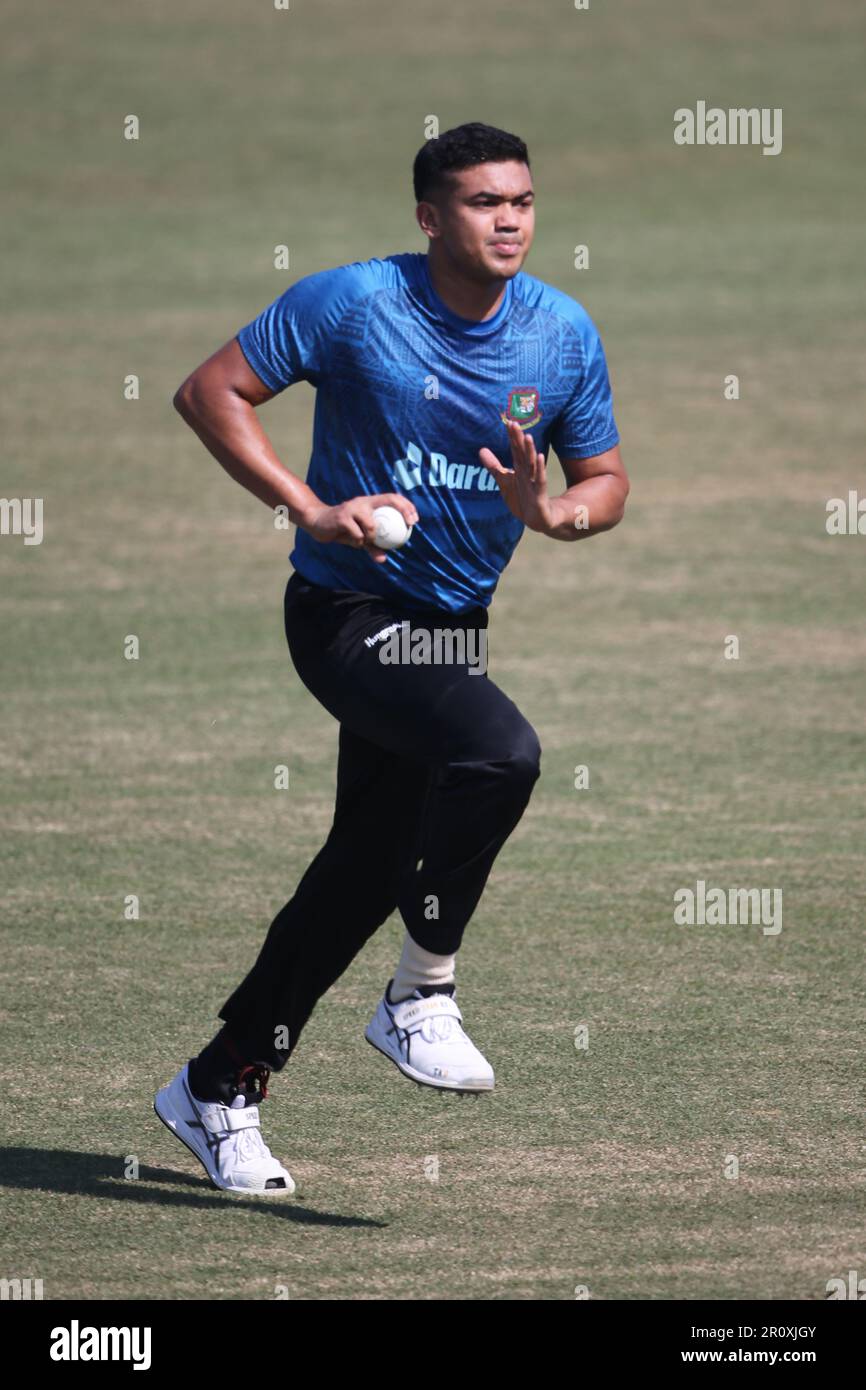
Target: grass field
(603, 1167)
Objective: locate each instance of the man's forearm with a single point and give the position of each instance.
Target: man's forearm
(229, 428)
(596, 504)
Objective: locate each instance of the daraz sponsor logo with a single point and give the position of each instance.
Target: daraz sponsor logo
(409, 473)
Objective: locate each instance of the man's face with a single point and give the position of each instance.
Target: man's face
(485, 220)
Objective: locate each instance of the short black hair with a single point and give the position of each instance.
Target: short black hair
(463, 148)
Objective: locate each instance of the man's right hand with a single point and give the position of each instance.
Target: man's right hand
(219, 401)
(351, 523)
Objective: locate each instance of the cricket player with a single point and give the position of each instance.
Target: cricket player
(442, 382)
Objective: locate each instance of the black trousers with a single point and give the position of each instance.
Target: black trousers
(436, 766)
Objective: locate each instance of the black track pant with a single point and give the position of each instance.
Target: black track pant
(436, 767)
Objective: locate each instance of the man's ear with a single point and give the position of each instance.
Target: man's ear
(428, 219)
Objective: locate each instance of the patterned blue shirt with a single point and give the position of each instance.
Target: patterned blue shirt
(407, 393)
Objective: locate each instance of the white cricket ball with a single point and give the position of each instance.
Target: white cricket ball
(391, 528)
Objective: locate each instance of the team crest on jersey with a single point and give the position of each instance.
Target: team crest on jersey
(522, 407)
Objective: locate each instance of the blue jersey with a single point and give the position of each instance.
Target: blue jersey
(407, 393)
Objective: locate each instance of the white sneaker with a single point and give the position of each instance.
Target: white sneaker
(225, 1139)
(423, 1037)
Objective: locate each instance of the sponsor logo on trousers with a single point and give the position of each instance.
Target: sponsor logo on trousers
(404, 645)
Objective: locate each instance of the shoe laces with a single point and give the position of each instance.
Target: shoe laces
(250, 1145)
(444, 1028)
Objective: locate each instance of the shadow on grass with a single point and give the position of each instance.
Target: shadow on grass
(73, 1173)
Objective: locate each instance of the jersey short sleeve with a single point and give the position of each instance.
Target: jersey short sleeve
(586, 425)
(289, 341)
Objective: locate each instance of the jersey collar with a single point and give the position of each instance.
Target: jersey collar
(470, 328)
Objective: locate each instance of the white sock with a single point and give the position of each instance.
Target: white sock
(419, 967)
